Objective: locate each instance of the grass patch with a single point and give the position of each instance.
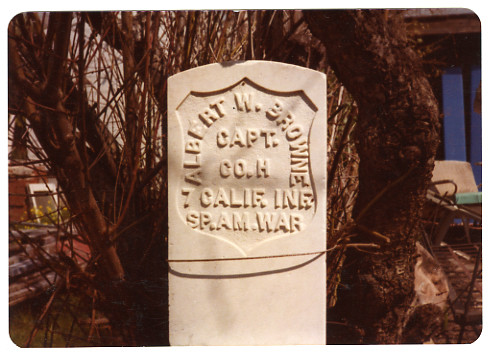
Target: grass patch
(61, 326)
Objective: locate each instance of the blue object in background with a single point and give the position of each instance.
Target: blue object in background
(475, 126)
(454, 114)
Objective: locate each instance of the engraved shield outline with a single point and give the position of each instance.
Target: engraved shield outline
(262, 74)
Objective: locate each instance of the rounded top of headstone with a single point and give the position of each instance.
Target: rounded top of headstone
(276, 76)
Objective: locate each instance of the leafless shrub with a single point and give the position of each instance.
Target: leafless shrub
(87, 104)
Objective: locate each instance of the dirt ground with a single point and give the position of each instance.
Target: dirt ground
(458, 262)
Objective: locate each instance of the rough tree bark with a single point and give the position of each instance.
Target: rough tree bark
(397, 137)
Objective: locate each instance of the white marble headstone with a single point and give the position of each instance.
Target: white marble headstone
(247, 205)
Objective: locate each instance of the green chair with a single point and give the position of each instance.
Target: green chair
(456, 195)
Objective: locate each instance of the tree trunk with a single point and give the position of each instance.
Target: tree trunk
(397, 138)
